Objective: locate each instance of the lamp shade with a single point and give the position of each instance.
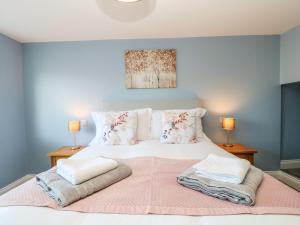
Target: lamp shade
(228, 123)
(74, 126)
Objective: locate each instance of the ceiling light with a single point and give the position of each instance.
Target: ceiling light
(128, 1)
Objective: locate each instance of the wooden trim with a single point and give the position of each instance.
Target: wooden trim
(290, 164)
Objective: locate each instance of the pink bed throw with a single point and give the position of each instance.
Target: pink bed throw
(152, 189)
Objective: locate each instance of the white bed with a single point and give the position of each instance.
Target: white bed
(46, 216)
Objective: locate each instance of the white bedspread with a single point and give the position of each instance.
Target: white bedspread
(43, 216)
(35, 216)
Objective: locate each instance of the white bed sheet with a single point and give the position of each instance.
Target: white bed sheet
(37, 215)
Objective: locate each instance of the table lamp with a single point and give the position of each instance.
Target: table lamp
(74, 127)
(228, 124)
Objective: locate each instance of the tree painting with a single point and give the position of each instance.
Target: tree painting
(150, 68)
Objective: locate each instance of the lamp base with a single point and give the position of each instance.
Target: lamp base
(75, 147)
(228, 145)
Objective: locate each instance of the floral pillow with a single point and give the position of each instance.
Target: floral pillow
(120, 128)
(178, 128)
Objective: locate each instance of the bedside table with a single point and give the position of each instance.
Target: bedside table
(62, 153)
(240, 151)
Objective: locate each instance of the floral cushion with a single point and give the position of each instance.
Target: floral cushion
(178, 128)
(120, 128)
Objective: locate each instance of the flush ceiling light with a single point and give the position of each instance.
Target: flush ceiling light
(128, 1)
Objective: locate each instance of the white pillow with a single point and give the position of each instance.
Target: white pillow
(156, 121)
(156, 124)
(178, 127)
(143, 125)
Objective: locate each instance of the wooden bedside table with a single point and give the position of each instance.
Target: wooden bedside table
(240, 151)
(62, 153)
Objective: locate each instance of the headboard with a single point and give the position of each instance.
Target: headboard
(159, 104)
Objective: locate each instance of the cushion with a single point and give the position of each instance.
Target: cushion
(156, 121)
(178, 127)
(143, 125)
(119, 128)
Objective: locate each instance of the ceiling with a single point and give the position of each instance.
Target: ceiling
(73, 20)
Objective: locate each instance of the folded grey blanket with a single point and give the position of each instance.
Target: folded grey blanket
(65, 193)
(243, 193)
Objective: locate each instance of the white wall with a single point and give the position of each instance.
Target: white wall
(290, 56)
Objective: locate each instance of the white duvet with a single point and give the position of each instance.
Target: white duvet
(26, 215)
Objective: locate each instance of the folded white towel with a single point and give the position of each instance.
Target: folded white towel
(232, 170)
(77, 171)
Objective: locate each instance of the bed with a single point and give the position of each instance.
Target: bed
(12, 215)
(47, 216)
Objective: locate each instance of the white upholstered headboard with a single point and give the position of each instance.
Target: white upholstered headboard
(159, 104)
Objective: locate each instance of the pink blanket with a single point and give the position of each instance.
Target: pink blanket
(152, 189)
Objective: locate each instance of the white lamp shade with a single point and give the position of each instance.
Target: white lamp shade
(228, 123)
(74, 126)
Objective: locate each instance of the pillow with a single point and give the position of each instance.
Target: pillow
(156, 121)
(178, 127)
(156, 124)
(143, 125)
(119, 128)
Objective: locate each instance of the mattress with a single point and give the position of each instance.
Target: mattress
(47, 216)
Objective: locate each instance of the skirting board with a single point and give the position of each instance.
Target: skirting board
(285, 178)
(16, 183)
(290, 164)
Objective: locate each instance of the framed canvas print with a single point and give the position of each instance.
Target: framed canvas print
(150, 68)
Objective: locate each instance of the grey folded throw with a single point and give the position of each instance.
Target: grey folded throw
(65, 193)
(243, 193)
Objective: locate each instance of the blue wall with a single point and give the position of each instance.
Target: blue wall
(231, 75)
(12, 125)
(290, 56)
